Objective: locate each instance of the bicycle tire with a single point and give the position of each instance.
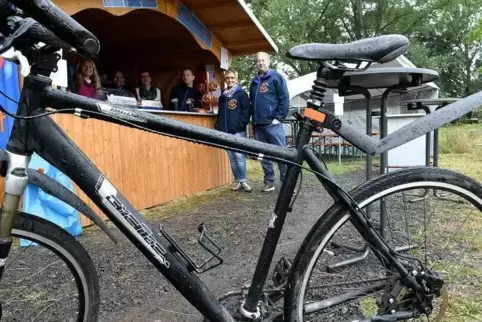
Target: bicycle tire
(71, 252)
(336, 215)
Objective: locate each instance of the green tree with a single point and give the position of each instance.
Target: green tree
(456, 35)
(445, 35)
(291, 23)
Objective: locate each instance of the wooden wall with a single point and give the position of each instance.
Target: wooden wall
(146, 168)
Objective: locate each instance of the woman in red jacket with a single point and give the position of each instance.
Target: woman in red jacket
(87, 80)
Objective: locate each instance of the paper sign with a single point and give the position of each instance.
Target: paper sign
(224, 58)
(147, 103)
(121, 100)
(60, 78)
(338, 101)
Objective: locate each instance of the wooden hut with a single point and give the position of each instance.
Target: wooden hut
(161, 36)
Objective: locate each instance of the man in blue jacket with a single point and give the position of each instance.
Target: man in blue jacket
(269, 100)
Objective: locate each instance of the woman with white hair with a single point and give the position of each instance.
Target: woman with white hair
(233, 117)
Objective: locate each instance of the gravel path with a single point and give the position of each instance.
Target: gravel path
(133, 290)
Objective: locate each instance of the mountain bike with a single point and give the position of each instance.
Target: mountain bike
(407, 290)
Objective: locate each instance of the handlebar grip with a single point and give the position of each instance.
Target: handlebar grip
(61, 24)
(40, 33)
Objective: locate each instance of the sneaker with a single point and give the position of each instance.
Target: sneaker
(237, 186)
(268, 187)
(246, 186)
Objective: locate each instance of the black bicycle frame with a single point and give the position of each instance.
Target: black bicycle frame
(43, 136)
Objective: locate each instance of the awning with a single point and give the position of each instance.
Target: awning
(234, 24)
(216, 25)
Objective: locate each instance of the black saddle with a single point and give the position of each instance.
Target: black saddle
(380, 49)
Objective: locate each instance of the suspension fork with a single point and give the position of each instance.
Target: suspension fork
(16, 180)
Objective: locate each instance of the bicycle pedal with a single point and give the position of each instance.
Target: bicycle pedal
(281, 271)
(204, 240)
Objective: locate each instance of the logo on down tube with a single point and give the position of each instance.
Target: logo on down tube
(109, 198)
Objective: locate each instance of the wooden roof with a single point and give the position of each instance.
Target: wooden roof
(157, 40)
(220, 24)
(234, 24)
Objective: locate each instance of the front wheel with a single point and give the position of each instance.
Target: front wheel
(48, 275)
(433, 222)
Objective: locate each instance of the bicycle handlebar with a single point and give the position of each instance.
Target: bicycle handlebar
(57, 21)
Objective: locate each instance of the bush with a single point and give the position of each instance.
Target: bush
(459, 139)
(477, 114)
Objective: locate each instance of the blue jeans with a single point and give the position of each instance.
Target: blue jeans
(238, 162)
(273, 134)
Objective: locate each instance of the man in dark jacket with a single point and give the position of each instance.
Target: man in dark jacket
(185, 94)
(269, 106)
(233, 117)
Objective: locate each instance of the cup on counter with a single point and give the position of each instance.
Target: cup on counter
(189, 107)
(174, 104)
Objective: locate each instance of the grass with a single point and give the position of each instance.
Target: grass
(192, 203)
(459, 149)
(186, 205)
(255, 171)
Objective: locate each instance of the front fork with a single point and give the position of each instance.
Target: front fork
(16, 180)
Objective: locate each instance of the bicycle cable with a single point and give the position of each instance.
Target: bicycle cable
(86, 112)
(8, 97)
(3, 110)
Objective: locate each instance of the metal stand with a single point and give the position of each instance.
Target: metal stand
(427, 144)
(422, 104)
(368, 173)
(383, 133)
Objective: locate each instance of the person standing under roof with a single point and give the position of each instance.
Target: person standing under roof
(269, 99)
(233, 117)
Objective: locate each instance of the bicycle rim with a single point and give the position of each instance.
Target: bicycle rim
(48, 274)
(374, 196)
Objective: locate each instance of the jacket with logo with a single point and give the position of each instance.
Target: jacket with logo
(233, 112)
(269, 98)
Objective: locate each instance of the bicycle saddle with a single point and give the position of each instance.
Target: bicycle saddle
(380, 49)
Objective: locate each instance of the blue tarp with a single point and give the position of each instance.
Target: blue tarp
(39, 203)
(35, 201)
(9, 86)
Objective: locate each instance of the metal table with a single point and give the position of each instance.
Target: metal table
(390, 78)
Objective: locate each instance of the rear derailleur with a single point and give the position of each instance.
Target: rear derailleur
(399, 302)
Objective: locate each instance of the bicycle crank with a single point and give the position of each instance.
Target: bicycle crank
(233, 300)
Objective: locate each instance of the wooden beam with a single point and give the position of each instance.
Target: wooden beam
(246, 43)
(219, 5)
(231, 26)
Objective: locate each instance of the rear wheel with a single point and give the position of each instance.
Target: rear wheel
(319, 291)
(48, 275)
